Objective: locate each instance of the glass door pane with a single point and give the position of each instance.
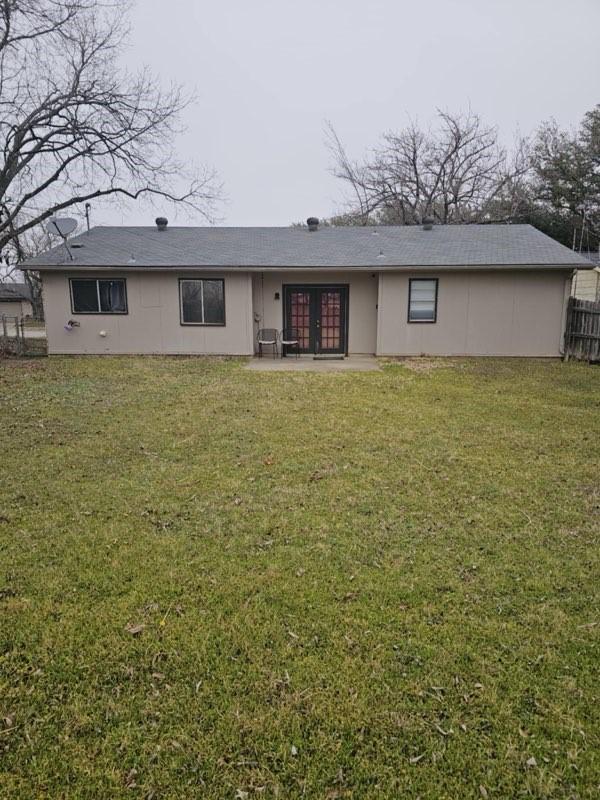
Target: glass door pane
(331, 319)
(300, 316)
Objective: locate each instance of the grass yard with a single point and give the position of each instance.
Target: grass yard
(223, 584)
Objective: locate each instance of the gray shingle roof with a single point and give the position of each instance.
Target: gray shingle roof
(344, 247)
(14, 291)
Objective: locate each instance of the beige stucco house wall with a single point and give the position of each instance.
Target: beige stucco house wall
(479, 313)
(495, 312)
(152, 324)
(490, 312)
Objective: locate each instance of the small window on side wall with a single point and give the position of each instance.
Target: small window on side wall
(422, 300)
(95, 296)
(202, 301)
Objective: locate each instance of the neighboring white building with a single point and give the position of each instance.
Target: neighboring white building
(497, 290)
(586, 282)
(15, 300)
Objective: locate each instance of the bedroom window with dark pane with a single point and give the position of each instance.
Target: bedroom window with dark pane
(95, 296)
(202, 301)
(422, 300)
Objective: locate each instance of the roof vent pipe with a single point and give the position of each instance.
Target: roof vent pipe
(427, 223)
(161, 223)
(313, 223)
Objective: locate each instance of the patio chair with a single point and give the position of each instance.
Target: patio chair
(290, 341)
(267, 337)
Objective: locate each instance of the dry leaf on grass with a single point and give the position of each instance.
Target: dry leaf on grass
(130, 778)
(134, 628)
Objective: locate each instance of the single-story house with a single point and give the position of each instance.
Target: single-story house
(15, 300)
(495, 290)
(586, 282)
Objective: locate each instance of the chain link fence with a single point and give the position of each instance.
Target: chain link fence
(21, 336)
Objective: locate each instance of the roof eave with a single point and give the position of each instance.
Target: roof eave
(71, 267)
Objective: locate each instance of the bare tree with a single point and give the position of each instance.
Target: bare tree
(457, 173)
(19, 249)
(73, 126)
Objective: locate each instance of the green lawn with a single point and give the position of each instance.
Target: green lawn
(223, 584)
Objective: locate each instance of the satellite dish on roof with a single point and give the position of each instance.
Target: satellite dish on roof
(63, 226)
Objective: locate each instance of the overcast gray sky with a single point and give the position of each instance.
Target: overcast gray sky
(268, 73)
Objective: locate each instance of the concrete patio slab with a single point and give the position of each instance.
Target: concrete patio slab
(309, 364)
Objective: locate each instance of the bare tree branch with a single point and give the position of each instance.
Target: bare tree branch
(73, 127)
(453, 173)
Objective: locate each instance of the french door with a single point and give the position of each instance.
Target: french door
(320, 316)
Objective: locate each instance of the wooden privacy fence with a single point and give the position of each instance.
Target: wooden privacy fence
(582, 330)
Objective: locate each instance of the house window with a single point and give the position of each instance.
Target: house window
(202, 302)
(422, 300)
(94, 296)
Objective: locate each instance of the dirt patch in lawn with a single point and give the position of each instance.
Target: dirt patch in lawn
(425, 364)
